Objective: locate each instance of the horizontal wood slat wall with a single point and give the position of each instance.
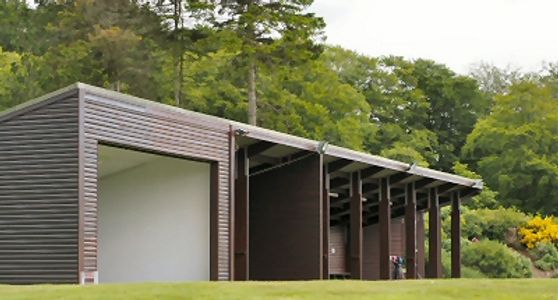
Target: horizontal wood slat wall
(338, 250)
(39, 193)
(158, 130)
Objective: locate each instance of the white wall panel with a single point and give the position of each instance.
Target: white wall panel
(154, 221)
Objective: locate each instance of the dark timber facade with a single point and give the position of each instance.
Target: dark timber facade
(281, 207)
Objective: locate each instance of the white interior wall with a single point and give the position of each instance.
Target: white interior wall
(153, 220)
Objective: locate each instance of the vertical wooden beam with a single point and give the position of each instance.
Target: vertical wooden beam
(420, 245)
(385, 230)
(214, 222)
(356, 226)
(455, 235)
(434, 236)
(232, 179)
(411, 230)
(325, 224)
(241, 209)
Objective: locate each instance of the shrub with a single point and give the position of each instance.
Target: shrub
(545, 256)
(466, 272)
(539, 230)
(492, 224)
(496, 260)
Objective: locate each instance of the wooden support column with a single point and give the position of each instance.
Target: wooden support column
(384, 214)
(241, 211)
(411, 230)
(356, 227)
(434, 236)
(455, 235)
(420, 245)
(325, 224)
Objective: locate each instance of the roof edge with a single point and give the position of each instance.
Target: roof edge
(5, 114)
(297, 141)
(259, 133)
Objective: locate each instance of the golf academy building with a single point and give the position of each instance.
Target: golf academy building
(98, 186)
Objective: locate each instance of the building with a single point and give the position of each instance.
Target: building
(98, 186)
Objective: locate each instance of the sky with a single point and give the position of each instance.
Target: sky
(459, 33)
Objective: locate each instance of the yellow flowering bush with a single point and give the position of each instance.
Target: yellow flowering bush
(539, 230)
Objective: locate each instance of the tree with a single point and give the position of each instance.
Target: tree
(456, 103)
(9, 61)
(399, 110)
(271, 33)
(487, 198)
(515, 148)
(310, 100)
(22, 29)
(182, 28)
(493, 80)
(107, 43)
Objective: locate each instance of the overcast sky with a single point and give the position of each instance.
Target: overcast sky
(520, 33)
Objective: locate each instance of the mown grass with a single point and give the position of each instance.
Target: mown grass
(321, 290)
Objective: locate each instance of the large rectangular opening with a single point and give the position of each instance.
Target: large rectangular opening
(153, 217)
(285, 222)
(278, 212)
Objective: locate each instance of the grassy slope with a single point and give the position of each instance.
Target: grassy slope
(424, 289)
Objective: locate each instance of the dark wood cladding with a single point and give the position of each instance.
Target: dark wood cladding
(39, 193)
(455, 235)
(48, 193)
(241, 226)
(337, 250)
(385, 228)
(286, 221)
(164, 131)
(434, 235)
(371, 247)
(411, 230)
(325, 224)
(420, 246)
(355, 245)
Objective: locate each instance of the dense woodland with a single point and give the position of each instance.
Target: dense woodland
(268, 63)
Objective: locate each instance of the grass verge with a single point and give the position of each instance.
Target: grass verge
(323, 290)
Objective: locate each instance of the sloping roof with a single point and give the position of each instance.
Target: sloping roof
(260, 134)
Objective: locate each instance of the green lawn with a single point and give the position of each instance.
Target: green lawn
(322, 290)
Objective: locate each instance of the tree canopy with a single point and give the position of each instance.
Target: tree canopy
(238, 59)
(516, 147)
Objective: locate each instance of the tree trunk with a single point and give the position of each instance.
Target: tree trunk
(252, 97)
(178, 80)
(179, 59)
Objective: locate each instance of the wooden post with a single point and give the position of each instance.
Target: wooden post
(384, 214)
(455, 235)
(213, 221)
(356, 227)
(325, 225)
(434, 236)
(420, 245)
(411, 230)
(241, 209)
